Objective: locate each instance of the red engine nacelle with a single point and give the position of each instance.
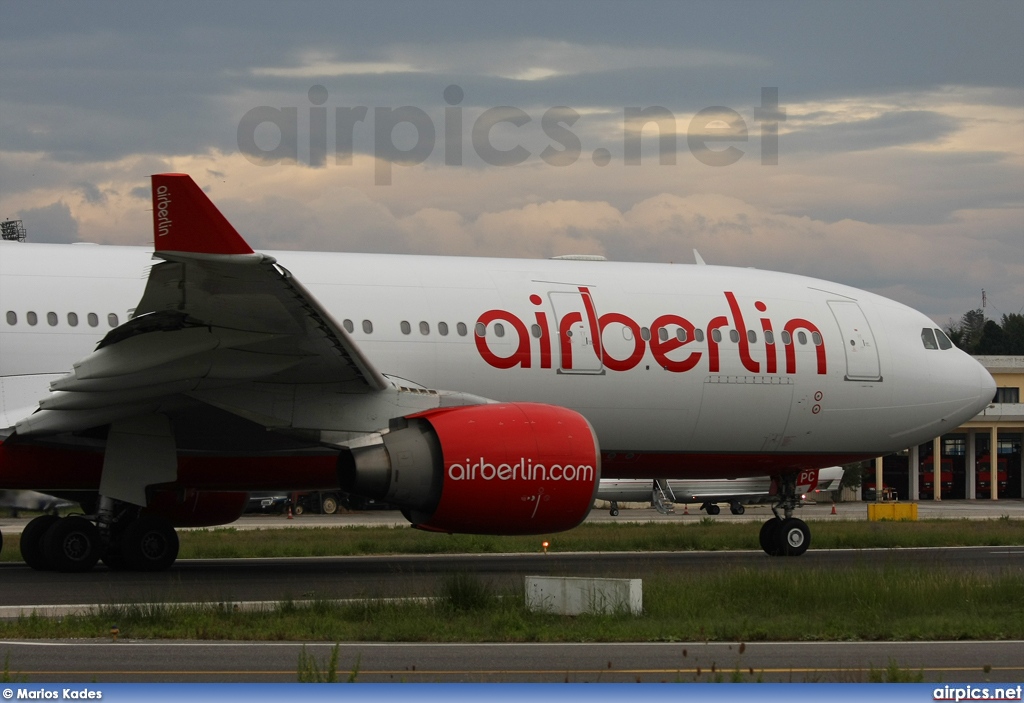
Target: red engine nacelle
(192, 508)
(512, 468)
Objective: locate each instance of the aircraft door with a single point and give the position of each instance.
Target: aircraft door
(858, 341)
(578, 350)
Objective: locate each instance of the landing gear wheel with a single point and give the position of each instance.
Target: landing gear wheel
(329, 505)
(794, 537)
(770, 542)
(713, 509)
(298, 509)
(614, 512)
(737, 509)
(149, 544)
(32, 542)
(72, 545)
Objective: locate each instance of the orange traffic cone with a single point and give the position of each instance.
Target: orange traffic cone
(290, 517)
(833, 508)
(686, 509)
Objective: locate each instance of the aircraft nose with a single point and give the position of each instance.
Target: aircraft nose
(986, 386)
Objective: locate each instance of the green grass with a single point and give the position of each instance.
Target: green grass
(706, 535)
(739, 605)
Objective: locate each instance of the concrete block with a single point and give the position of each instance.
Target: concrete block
(892, 511)
(573, 596)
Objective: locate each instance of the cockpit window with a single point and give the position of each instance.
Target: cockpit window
(944, 342)
(928, 337)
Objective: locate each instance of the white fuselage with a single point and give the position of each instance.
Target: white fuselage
(661, 359)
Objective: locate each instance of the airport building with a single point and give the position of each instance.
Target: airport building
(971, 455)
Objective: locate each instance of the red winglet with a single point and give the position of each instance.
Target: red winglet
(185, 220)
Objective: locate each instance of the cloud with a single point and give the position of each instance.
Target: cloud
(92, 193)
(886, 130)
(900, 158)
(51, 223)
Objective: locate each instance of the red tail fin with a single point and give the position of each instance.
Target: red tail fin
(185, 220)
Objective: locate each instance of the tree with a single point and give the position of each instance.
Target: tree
(1013, 332)
(967, 332)
(992, 341)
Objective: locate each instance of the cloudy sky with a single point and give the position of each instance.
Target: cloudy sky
(507, 130)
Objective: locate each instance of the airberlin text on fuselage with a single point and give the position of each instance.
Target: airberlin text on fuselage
(523, 470)
(678, 332)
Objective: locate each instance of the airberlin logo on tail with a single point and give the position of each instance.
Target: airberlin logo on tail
(163, 211)
(667, 334)
(523, 470)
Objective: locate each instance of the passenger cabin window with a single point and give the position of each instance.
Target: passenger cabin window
(12, 317)
(406, 327)
(73, 319)
(461, 329)
(347, 324)
(442, 329)
(480, 329)
(499, 329)
(93, 319)
(943, 340)
(51, 319)
(112, 320)
(734, 335)
(424, 328)
(681, 334)
(367, 327)
(928, 338)
(31, 318)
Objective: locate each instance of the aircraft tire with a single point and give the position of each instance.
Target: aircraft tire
(32, 542)
(770, 542)
(149, 544)
(614, 512)
(72, 545)
(713, 509)
(794, 537)
(737, 509)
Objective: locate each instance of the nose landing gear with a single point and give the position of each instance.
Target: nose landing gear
(785, 536)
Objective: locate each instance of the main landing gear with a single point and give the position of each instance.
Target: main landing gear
(120, 536)
(785, 536)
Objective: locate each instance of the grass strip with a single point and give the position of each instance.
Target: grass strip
(741, 605)
(706, 535)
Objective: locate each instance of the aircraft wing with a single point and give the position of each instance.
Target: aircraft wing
(214, 315)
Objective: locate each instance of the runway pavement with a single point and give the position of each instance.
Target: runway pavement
(104, 660)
